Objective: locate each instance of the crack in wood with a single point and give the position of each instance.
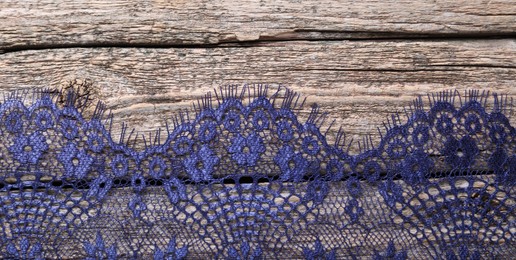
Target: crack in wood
(296, 35)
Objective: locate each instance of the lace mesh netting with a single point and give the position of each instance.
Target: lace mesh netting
(243, 178)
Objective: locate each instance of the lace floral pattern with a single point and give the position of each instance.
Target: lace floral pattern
(247, 178)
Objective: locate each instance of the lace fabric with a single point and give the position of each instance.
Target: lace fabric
(243, 177)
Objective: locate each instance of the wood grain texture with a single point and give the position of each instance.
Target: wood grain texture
(41, 24)
(359, 60)
(359, 83)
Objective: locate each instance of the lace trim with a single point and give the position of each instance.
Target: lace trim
(242, 177)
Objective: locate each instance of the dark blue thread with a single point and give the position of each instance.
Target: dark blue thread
(247, 178)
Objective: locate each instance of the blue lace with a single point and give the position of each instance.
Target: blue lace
(243, 177)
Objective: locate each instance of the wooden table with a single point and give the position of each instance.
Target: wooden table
(359, 60)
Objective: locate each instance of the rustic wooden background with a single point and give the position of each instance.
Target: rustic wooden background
(359, 60)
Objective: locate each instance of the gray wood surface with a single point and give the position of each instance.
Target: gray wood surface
(40, 24)
(358, 83)
(359, 60)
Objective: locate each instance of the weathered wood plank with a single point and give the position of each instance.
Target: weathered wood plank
(359, 83)
(40, 24)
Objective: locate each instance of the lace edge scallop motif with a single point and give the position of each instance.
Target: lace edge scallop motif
(247, 156)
